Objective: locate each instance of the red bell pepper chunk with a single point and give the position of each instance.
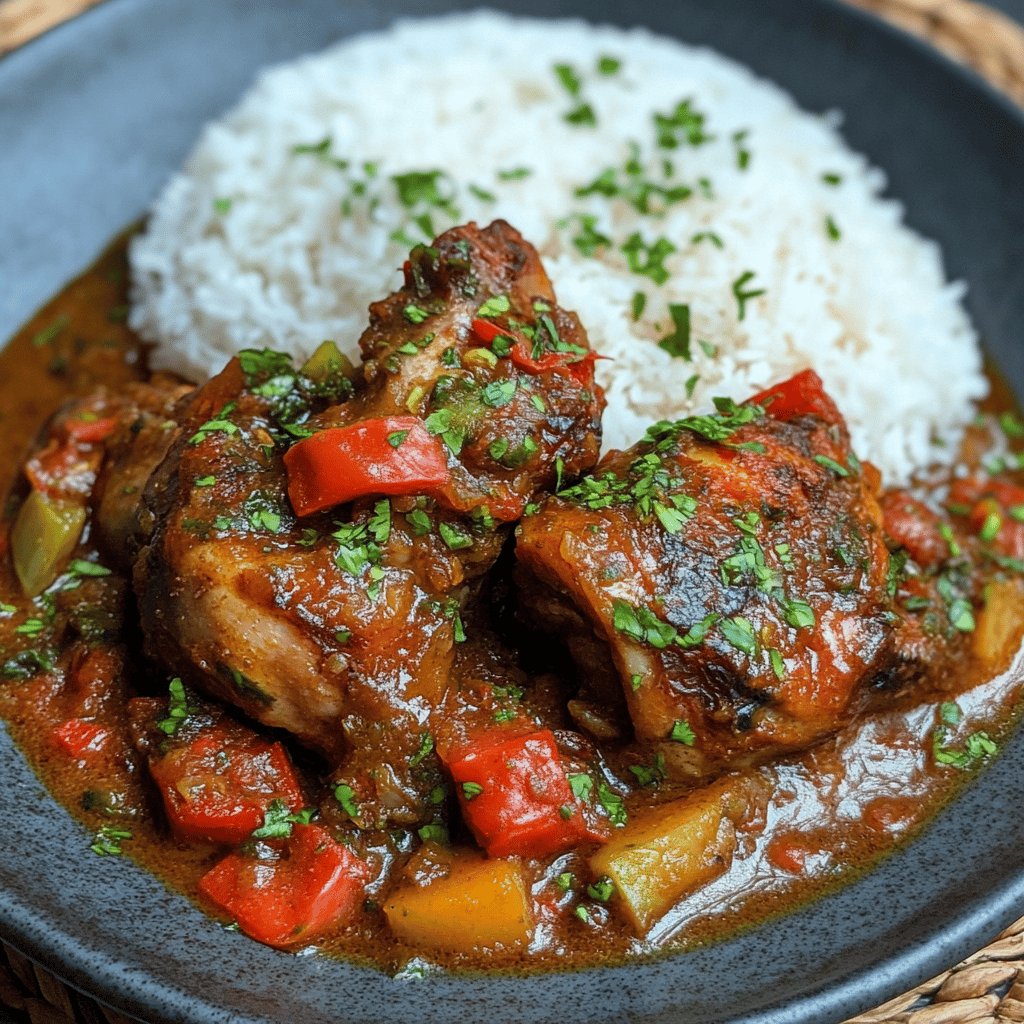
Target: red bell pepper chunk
(914, 526)
(218, 786)
(580, 368)
(516, 798)
(90, 431)
(80, 738)
(393, 455)
(314, 883)
(802, 395)
(487, 331)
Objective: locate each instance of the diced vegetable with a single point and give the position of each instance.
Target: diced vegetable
(669, 851)
(994, 517)
(218, 785)
(326, 362)
(90, 431)
(80, 738)
(579, 367)
(803, 394)
(525, 805)
(912, 525)
(313, 883)
(43, 539)
(479, 904)
(393, 455)
(1000, 624)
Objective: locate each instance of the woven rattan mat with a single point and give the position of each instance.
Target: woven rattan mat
(987, 988)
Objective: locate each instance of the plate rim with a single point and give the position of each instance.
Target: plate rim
(994, 908)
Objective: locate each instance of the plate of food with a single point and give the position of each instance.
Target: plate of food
(523, 520)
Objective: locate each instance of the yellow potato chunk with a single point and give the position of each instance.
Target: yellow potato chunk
(479, 904)
(1000, 625)
(669, 851)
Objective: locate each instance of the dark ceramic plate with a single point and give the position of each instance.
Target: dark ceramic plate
(94, 116)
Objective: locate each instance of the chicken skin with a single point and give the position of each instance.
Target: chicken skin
(334, 621)
(725, 580)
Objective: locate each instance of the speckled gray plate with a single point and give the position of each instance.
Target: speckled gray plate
(95, 115)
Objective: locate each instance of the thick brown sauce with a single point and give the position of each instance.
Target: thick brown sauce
(836, 809)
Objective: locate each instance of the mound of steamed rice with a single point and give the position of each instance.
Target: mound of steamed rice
(295, 209)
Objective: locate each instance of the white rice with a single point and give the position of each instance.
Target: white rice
(249, 245)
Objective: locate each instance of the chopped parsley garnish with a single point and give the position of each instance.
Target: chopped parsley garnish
(832, 229)
(648, 258)
(650, 775)
(434, 833)
(442, 423)
(952, 587)
(582, 786)
(395, 438)
(177, 708)
(415, 314)
(991, 526)
(494, 306)
(499, 392)
(26, 664)
(48, 334)
(677, 344)
(107, 841)
(682, 733)
(708, 236)
(568, 78)
(743, 294)
(346, 796)
(637, 305)
(740, 634)
(422, 188)
(261, 515)
(565, 880)
(739, 141)
(220, 424)
(582, 114)
(515, 173)
(798, 614)
(835, 467)
(425, 749)
(717, 426)
(607, 65)
(642, 625)
(683, 125)
(602, 890)
(830, 178)
(614, 805)
(471, 790)
(80, 567)
(278, 821)
(589, 241)
(356, 548)
(454, 536)
(977, 747)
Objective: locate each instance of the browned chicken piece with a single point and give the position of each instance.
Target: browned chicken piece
(726, 579)
(339, 626)
(138, 444)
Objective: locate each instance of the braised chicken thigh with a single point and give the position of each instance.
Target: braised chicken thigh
(725, 579)
(324, 621)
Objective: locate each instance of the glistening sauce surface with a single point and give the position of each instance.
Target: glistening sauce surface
(833, 810)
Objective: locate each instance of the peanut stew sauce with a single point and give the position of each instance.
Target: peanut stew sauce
(836, 809)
